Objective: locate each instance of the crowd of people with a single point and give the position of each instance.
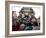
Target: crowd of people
(25, 21)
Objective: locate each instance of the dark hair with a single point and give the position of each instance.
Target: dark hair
(31, 10)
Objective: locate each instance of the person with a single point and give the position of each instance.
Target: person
(28, 25)
(15, 25)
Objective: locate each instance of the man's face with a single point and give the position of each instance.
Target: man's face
(33, 20)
